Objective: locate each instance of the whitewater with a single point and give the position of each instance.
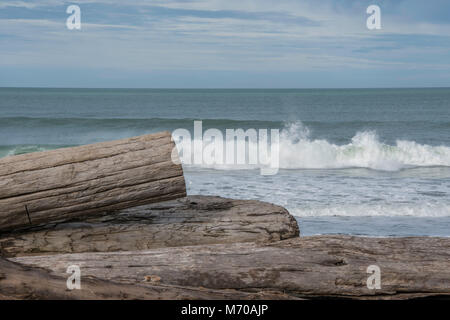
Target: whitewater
(365, 150)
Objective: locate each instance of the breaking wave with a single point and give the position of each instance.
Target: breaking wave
(365, 150)
(297, 150)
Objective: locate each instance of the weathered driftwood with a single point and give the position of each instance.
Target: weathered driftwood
(308, 267)
(186, 221)
(61, 184)
(23, 282)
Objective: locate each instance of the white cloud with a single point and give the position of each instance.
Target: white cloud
(207, 43)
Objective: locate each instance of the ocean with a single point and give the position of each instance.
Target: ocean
(372, 162)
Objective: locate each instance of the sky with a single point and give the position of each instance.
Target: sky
(225, 44)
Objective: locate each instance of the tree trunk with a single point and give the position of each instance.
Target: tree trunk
(182, 222)
(61, 184)
(23, 282)
(305, 267)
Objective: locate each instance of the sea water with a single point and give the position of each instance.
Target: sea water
(372, 162)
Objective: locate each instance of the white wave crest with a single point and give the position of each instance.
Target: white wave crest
(365, 150)
(298, 151)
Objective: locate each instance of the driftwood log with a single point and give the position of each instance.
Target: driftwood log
(186, 221)
(62, 184)
(23, 282)
(304, 267)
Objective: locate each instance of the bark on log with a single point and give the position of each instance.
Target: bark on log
(61, 184)
(192, 220)
(306, 267)
(23, 282)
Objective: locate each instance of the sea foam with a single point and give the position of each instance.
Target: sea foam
(365, 150)
(424, 210)
(297, 150)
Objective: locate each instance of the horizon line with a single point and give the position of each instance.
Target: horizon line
(229, 88)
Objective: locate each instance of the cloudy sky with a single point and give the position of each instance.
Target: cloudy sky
(225, 43)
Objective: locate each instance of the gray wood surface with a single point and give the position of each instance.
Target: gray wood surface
(302, 267)
(186, 221)
(65, 183)
(22, 282)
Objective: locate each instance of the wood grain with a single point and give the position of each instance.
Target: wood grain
(23, 282)
(61, 184)
(186, 221)
(303, 267)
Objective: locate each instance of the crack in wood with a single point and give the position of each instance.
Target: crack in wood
(28, 214)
